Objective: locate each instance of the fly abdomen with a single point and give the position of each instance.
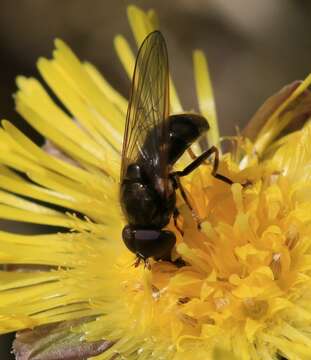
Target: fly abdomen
(184, 129)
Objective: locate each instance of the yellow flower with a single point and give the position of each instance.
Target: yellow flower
(245, 290)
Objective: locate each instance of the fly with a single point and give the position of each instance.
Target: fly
(153, 142)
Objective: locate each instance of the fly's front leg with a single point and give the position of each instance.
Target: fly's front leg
(139, 259)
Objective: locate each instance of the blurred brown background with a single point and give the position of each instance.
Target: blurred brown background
(253, 47)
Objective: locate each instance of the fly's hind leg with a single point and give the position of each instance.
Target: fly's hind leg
(193, 156)
(200, 159)
(215, 165)
(191, 167)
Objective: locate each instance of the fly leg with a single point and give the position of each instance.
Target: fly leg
(139, 259)
(175, 217)
(193, 155)
(177, 185)
(191, 167)
(200, 159)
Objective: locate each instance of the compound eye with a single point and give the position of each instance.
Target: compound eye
(128, 236)
(149, 243)
(154, 243)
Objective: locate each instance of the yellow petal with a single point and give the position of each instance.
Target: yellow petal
(205, 96)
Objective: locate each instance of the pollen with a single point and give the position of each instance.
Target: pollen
(255, 309)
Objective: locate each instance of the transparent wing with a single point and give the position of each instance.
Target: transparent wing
(146, 133)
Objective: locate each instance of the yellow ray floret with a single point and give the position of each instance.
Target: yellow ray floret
(240, 286)
(205, 95)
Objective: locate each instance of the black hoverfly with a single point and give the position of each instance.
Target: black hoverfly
(153, 142)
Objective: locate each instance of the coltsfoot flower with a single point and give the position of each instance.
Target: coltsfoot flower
(244, 291)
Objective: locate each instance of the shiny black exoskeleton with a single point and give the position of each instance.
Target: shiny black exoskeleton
(142, 200)
(153, 142)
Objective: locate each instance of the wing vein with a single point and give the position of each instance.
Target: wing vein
(146, 134)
